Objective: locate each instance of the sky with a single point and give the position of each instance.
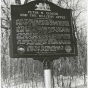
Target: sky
(22, 1)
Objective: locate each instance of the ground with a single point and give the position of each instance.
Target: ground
(77, 82)
(81, 86)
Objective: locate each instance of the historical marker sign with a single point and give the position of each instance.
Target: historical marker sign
(41, 29)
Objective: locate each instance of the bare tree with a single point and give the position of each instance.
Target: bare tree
(80, 28)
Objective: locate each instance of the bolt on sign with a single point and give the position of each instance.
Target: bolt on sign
(41, 29)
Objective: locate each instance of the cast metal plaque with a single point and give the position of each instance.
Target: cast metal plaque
(42, 29)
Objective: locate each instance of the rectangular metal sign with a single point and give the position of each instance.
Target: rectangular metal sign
(42, 29)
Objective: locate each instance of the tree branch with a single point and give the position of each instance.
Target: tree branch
(6, 14)
(6, 4)
(4, 27)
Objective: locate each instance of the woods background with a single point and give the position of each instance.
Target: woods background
(28, 73)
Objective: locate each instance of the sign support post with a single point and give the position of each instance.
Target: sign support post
(47, 73)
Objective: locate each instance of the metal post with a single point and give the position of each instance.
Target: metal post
(47, 74)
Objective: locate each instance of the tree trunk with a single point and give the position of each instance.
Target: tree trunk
(70, 83)
(62, 82)
(84, 79)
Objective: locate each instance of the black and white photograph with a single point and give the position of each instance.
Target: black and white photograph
(43, 44)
